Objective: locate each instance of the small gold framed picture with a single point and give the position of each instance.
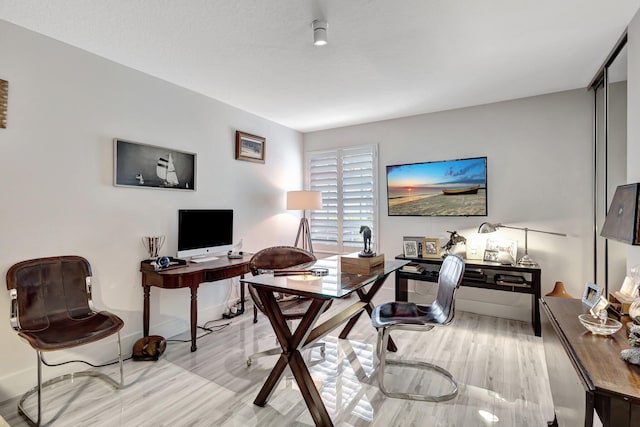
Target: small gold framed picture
(250, 147)
(430, 248)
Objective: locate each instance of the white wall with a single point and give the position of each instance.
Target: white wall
(539, 153)
(57, 197)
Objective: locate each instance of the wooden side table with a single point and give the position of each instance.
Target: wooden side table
(191, 276)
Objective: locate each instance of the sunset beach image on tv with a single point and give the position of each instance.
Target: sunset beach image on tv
(440, 188)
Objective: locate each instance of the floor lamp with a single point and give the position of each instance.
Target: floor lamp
(304, 201)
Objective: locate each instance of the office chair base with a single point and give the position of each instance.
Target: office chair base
(270, 352)
(42, 385)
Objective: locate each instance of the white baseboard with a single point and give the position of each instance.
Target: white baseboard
(487, 302)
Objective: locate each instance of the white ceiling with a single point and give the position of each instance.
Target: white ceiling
(385, 59)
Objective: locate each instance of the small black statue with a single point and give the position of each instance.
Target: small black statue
(454, 239)
(366, 236)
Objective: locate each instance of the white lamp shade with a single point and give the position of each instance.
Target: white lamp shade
(304, 200)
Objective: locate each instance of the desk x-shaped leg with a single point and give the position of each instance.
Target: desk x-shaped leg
(366, 298)
(305, 334)
(291, 345)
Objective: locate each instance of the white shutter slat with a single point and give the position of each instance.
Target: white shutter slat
(347, 179)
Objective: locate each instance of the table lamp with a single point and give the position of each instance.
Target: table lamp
(526, 260)
(304, 200)
(621, 223)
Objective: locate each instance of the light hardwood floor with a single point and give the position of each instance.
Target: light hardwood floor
(499, 365)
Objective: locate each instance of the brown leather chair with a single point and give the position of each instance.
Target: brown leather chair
(51, 308)
(293, 308)
(410, 316)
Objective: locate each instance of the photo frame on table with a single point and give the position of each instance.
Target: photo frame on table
(414, 248)
(501, 251)
(629, 288)
(410, 248)
(151, 166)
(250, 147)
(600, 304)
(430, 247)
(591, 294)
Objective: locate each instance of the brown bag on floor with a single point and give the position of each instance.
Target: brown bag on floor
(149, 348)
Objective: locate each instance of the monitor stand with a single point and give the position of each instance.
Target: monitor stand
(203, 258)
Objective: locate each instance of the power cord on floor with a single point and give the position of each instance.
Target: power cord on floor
(82, 361)
(216, 328)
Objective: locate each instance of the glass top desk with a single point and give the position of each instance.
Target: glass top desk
(322, 289)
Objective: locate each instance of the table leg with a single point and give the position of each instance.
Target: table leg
(241, 295)
(194, 316)
(402, 285)
(535, 317)
(535, 305)
(291, 344)
(309, 391)
(272, 381)
(145, 311)
(367, 297)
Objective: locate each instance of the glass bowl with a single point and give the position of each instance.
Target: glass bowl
(611, 326)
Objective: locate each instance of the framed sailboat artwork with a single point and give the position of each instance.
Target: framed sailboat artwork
(150, 166)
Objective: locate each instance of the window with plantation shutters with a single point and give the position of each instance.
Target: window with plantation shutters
(347, 178)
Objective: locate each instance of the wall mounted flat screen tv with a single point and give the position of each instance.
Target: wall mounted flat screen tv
(441, 188)
(204, 231)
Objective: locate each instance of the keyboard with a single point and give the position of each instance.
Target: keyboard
(205, 259)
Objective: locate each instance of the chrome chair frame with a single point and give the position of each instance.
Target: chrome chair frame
(42, 385)
(444, 315)
(383, 339)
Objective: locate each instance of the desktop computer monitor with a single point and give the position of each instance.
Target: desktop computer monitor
(203, 232)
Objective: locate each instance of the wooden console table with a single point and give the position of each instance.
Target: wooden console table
(478, 274)
(586, 371)
(191, 276)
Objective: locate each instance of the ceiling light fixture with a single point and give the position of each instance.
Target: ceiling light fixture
(319, 32)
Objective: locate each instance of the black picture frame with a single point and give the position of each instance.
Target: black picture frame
(439, 188)
(150, 166)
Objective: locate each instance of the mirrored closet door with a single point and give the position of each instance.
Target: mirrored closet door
(610, 160)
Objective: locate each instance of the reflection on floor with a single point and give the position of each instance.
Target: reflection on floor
(499, 365)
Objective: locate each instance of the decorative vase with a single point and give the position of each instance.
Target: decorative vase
(559, 291)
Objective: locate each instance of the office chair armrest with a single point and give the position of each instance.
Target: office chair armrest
(14, 309)
(89, 298)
